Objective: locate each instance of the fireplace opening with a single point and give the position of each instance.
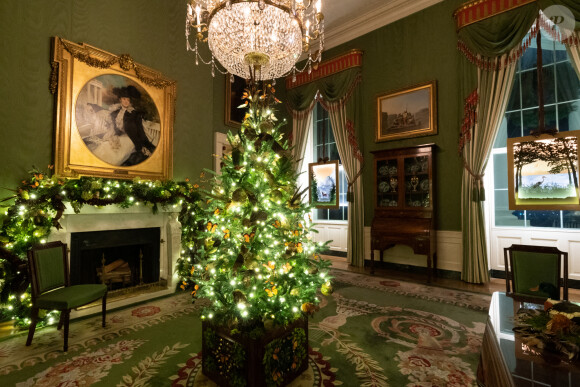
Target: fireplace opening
(119, 258)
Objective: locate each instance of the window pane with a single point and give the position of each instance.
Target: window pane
(550, 117)
(333, 152)
(561, 53)
(500, 176)
(321, 214)
(530, 121)
(335, 214)
(529, 88)
(543, 218)
(569, 116)
(514, 102)
(571, 219)
(549, 84)
(503, 215)
(513, 125)
(529, 59)
(568, 84)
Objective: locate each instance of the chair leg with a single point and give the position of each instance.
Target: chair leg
(32, 328)
(60, 320)
(66, 322)
(104, 310)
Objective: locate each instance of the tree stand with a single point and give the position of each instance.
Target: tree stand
(275, 358)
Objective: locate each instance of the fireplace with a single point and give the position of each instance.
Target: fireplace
(133, 254)
(107, 230)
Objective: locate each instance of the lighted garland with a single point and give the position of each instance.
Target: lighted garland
(38, 206)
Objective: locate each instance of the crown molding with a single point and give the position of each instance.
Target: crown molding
(376, 18)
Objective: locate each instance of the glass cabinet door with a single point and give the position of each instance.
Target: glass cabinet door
(417, 184)
(387, 183)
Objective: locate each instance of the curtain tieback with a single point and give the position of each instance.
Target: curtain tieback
(349, 190)
(478, 189)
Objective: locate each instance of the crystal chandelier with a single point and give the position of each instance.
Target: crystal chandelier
(259, 39)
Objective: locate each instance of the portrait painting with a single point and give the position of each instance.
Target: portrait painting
(323, 184)
(114, 117)
(117, 120)
(405, 113)
(543, 172)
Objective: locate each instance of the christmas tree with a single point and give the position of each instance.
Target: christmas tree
(254, 259)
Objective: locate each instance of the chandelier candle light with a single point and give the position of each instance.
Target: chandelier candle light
(259, 39)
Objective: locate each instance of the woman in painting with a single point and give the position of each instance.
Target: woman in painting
(128, 120)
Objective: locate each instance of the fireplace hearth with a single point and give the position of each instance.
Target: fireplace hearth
(132, 253)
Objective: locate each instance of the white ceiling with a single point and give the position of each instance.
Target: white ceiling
(345, 20)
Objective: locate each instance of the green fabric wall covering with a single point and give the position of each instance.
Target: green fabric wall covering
(418, 48)
(151, 31)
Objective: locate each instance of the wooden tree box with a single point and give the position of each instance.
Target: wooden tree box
(274, 359)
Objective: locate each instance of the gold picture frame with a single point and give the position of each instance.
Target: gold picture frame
(114, 117)
(234, 115)
(406, 113)
(323, 185)
(543, 172)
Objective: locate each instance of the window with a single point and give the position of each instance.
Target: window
(324, 145)
(562, 110)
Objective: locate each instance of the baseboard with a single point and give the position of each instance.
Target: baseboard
(441, 273)
(573, 284)
(335, 253)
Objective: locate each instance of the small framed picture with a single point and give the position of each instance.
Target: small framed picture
(543, 172)
(234, 115)
(323, 184)
(409, 112)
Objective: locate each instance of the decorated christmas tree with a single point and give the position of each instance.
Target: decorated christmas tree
(255, 261)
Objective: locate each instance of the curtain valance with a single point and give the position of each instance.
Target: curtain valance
(491, 28)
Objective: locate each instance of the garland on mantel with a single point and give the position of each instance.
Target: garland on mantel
(38, 206)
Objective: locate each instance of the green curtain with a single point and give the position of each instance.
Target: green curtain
(339, 94)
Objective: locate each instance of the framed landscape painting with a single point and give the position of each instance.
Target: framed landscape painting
(114, 117)
(543, 172)
(409, 112)
(323, 184)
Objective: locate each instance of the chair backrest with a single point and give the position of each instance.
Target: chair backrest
(535, 272)
(48, 267)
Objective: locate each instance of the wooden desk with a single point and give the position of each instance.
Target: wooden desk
(408, 229)
(505, 361)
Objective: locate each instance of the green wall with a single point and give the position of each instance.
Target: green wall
(151, 31)
(416, 49)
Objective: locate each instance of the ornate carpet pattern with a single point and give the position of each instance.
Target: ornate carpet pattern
(370, 332)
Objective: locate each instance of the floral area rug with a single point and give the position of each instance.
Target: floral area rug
(370, 332)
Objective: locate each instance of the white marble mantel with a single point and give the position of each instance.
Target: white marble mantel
(115, 218)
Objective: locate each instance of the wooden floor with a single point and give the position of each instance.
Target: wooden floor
(495, 284)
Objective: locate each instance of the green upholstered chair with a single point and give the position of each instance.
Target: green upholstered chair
(534, 272)
(51, 289)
